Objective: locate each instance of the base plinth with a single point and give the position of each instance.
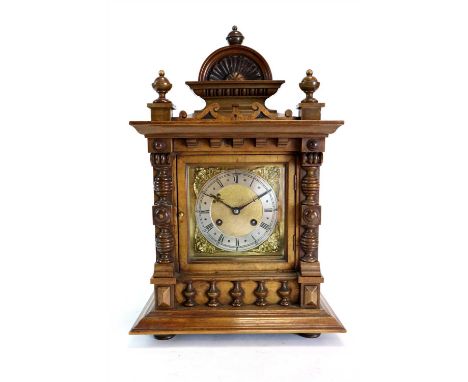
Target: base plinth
(237, 320)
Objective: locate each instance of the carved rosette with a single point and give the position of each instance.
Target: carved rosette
(163, 178)
(310, 207)
(162, 208)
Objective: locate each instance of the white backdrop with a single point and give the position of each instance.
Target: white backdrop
(77, 243)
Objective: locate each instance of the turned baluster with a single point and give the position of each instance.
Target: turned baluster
(189, 294)
(284, 292)
(213, 294)
(236, 293)
(261, 292)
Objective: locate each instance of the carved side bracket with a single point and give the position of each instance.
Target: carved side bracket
(209, 112)
(215, 112)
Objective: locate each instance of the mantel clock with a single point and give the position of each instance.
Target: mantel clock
(236, 205)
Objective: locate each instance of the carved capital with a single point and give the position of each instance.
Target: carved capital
(160, 159)
(312, 159)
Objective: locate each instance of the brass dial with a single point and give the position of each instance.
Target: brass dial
(236, 210)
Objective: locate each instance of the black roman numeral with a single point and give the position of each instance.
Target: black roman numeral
(236, 178)
(203, 211)
(209, 227)
(220, 238)
(268, 210)
(265, 226)
(237, 243)
(219, 182)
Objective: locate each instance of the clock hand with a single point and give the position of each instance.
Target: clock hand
(254, 199)
(218, 199)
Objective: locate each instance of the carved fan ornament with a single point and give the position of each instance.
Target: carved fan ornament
(237, 68)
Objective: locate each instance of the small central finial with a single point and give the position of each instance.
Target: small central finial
(235, 37)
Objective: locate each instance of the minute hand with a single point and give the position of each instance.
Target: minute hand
(254, 199)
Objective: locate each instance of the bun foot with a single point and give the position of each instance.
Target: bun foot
(309, 335)
(164, 336)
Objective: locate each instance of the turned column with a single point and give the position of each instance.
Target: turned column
(310, 207)
(162, 208)
(162, 160)
(311, 158)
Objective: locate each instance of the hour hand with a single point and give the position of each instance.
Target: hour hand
(218, 199)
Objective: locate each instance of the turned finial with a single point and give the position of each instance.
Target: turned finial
(235, 37)
(309, 85)
(162, 86)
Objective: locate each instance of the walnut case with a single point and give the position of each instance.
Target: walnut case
(248, 293)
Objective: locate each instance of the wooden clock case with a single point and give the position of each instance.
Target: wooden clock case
(231, 296)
